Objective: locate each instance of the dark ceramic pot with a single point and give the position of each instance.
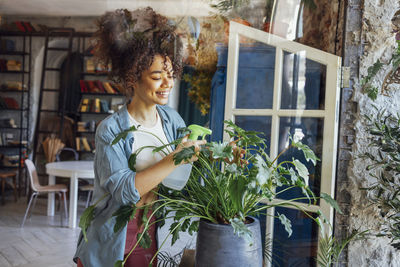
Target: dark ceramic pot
(218, 246)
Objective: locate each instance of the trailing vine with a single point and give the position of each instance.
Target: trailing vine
(393, 76)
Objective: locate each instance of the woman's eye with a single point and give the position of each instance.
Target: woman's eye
(156, 78)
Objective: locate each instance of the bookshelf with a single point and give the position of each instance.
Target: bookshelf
(98, 99)
(15, 94)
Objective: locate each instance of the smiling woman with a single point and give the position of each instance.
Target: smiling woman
(144, 52)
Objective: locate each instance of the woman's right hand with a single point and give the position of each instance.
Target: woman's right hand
(189, 143)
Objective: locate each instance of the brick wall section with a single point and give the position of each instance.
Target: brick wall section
(352, 49)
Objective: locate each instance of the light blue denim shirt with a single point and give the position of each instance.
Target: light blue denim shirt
(113, 176)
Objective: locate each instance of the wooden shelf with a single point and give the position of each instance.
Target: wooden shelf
(14, 71)
(13, 146)
(14, 128)
(42, 34)
(13, 53)
(95, 73)
(13, 91)
(14, 109)
(103, 94)
(99, 113)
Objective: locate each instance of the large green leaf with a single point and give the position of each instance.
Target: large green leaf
(221, 151)
(184, 155)
(232, 168)
(124, 134)
(331, 202)
(237, 188)
(86, 219)
(194, 227)
(132, 161)
(264, 172)
(145, 242)
(308, 153)
(240, 229)
(123, 215)
(174, 230)
(286, 223)
(302, 170)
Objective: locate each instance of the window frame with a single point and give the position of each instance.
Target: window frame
(330, 113)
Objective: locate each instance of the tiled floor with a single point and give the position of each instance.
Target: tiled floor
(44, 242)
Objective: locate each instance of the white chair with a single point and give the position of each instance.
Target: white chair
(43, 189)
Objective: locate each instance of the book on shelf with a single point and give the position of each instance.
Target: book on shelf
(10, 123)
(100, 86)
(104, 105)
(83, 86)
(86, 126)
(13, 65)
(8, 103)
(85, 144)
(23, 26)
(84, 105)
(97, 107)
(7, 45)
(17, 142)
(78, 144)
(13, 85)
(90, 66)
(6, 138)
(10, 160)
(92, 86)
(109, 88)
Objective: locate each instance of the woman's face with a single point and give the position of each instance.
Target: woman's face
(155, 83)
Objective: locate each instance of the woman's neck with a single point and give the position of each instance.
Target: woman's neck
(143, 114)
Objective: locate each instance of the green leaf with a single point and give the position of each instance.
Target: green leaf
(132, 161)
(119, 263)
(372, 92)
(145, 242)
(86, 219)
(293, 176)
(240, 229)
(124, 134)
(184, 155)
(174, 230)
(263, 171)
(183, 131)
(237, 189)
(221, 151)
(308, 153)
(285, 222)
(331, 202)
(123, 215)
(232, 168)
(194, 227)
(302, 170)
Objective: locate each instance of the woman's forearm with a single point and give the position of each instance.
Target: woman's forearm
(149, 178)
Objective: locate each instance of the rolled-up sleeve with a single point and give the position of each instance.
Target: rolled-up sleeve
(113, 171)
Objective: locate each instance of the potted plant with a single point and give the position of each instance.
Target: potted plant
(224, 191)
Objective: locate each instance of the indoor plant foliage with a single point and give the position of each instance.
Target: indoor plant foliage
(226, 186)
(384, 157)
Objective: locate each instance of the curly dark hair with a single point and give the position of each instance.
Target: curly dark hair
(129, 40)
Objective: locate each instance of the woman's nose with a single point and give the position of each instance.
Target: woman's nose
(167, 82)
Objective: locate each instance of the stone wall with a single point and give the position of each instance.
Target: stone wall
(368, 37)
